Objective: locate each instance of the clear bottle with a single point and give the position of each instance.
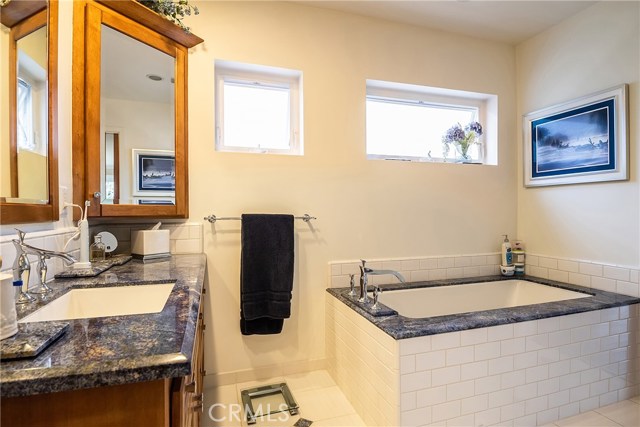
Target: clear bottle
(97, 249)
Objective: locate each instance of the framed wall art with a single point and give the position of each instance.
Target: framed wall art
(584, 140)
(154, 172)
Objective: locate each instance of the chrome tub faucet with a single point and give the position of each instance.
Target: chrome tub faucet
(364, 279)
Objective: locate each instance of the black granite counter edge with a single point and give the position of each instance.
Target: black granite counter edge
(400, 327)
(176, 365)
(105, 373)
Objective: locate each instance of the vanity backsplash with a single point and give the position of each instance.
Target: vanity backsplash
(184, 238)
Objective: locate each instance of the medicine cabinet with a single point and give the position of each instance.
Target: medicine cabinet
(28, 130)
(130, 111)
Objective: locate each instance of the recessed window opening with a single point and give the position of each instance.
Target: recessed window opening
(258, 109)
(408, 122)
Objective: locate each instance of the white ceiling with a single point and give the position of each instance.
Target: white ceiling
(125, 64)
(505, 21)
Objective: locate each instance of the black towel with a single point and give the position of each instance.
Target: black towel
(266, 273)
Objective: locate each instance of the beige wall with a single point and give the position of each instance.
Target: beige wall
(592, 51)
(141, 125)
(34, 184)
(368, 209)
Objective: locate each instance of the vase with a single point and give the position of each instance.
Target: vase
(462, 156)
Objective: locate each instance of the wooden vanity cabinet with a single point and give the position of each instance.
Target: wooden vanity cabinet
(169, 402)
(187, 392)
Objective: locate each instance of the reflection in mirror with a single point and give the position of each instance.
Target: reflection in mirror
(112, 167)
(25, 147)
(137, 123)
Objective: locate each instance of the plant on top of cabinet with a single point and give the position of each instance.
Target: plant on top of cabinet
(174, 11)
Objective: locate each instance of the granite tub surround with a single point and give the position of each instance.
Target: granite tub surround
(120, 349)
(400, 327)
(532, 372)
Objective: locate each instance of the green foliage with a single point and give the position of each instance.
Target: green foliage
(174, 11)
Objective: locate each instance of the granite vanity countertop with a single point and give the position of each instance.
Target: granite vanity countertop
(120, 349)
(400, 327)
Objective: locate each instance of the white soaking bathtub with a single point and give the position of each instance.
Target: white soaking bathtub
(434, 301)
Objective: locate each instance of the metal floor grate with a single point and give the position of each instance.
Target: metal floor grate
(269, 399)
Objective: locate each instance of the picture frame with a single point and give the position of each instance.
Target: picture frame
(155, 201)
(153, 172)
(580, 141)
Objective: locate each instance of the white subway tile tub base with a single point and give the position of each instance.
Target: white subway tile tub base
(528, 373)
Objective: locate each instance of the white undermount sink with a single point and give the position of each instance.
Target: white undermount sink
(102, 302)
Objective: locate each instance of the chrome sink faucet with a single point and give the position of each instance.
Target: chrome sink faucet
(22, 265)
(364, 279)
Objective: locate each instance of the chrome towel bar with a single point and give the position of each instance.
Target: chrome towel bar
(212, 218)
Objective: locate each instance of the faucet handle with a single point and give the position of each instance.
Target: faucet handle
(352, 284)
(376, 294)
(21, 235)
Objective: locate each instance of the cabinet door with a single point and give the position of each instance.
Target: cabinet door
(187, 392)
(130, 131)
(198, 372)
(144, 404)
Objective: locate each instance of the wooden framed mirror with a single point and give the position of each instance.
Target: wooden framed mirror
(130, 111)
(28, 139)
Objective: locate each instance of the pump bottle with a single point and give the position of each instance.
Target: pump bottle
(507, 255)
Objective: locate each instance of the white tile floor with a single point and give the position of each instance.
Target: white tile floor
(625, 413)
(322, 402)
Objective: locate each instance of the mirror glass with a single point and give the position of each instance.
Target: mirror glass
(24, 143)
(137, 122)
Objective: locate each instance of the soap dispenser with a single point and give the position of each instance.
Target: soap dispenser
(507, 256)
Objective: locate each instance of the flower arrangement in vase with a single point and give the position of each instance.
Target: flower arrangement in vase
(462, 139)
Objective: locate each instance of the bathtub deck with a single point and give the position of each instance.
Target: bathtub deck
(400, 327)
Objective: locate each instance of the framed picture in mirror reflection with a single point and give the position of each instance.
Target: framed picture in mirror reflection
(154, 200)
(154, 172)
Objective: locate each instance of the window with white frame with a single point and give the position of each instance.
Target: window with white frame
(408, 122)
(258, 109)
(25, 139)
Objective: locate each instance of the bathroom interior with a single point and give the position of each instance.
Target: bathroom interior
(166, 344)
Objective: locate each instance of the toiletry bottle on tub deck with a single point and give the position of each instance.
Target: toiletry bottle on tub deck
(507, 255)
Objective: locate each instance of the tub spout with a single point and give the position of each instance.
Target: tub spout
(390, 272)
(364, 279)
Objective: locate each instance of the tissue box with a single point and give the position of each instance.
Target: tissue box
(150, 244)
